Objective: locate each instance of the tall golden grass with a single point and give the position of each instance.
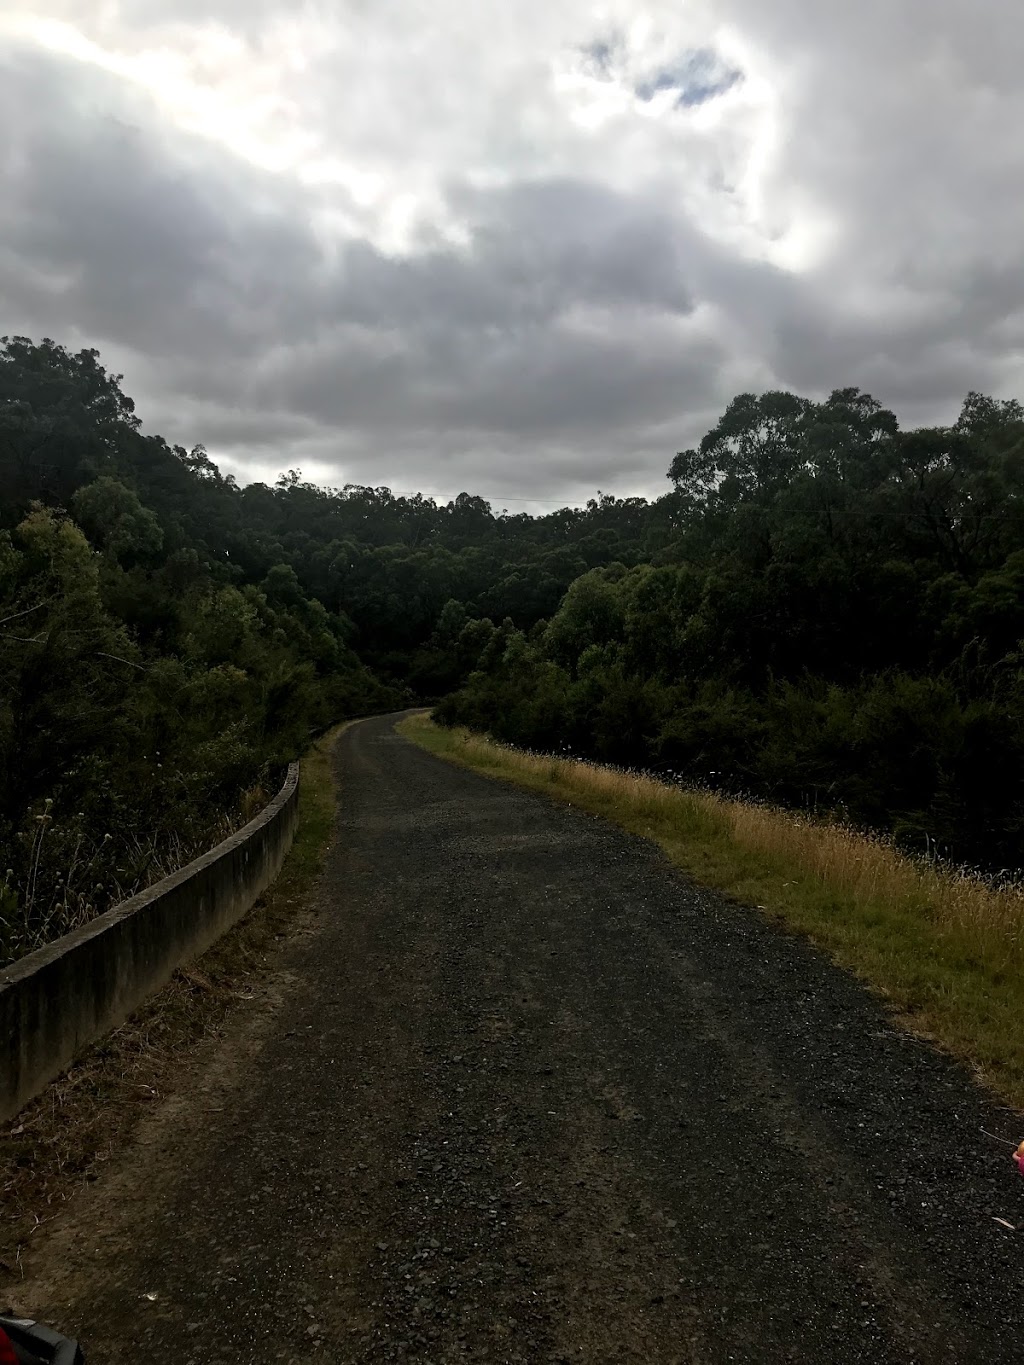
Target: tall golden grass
(944, 946)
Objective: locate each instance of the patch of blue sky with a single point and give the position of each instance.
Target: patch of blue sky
(697, 77)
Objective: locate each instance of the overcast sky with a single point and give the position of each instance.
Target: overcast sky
(529, 248)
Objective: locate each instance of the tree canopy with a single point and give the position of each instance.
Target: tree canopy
(822, 609)
(834, 621)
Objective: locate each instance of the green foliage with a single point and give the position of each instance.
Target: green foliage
(147, 688)
(116, 521)
(833, 619)
(168, 639)
(825, 610)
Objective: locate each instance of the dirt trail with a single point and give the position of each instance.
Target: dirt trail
(532, 1096)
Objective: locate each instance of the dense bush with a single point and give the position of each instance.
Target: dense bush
(149, 695)
(835, 623)
(168, 639)
(823, 610)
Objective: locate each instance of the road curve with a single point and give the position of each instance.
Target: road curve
(535, 1097)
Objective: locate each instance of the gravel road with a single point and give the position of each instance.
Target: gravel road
(530, 1095)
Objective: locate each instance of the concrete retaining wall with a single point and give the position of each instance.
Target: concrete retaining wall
(64, 996)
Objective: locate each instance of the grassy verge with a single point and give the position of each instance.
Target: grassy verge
(65, 1136)
(946, 949)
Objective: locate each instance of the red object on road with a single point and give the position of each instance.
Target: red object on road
(7, 1356)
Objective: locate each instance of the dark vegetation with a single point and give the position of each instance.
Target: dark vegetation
(168, 639)
(824, 611)
(833, 622)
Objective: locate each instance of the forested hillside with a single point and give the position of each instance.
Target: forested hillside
(823, 610)
(833, 622)
(168, 640)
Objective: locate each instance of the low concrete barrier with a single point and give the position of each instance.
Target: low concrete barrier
(64, 996)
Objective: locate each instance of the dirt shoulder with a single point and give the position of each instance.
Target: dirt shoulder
(526, 1093)
(81, 1125)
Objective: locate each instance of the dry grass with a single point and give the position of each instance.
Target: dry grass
(945, 948)
(67, 885)
(65, 1137)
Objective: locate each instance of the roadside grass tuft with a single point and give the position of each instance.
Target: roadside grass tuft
(63, 1138)
(944, 947)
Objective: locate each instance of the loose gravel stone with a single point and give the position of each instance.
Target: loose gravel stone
(536, 1097)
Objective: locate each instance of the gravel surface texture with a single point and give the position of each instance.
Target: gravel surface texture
(531, 1095)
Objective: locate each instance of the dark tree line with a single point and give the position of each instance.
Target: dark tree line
(834, 621)
(823, 610)
(168, 639)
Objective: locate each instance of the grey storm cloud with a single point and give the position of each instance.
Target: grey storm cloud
(589, 272)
